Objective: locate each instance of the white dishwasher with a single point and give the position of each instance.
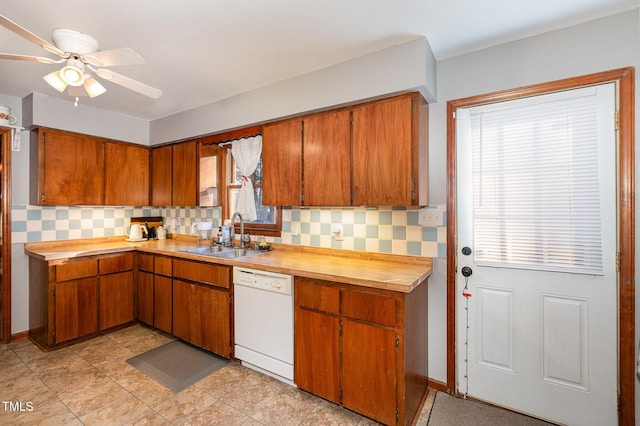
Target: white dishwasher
(263, 322)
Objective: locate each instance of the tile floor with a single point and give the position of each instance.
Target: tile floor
(90, 383)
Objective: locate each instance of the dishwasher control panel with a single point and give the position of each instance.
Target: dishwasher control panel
(264, 280)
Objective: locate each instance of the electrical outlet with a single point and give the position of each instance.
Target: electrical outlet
(430, 216)
(336, 231)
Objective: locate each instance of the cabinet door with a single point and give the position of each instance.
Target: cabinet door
(282, 163)
(126, 174)
(201, 316)
(71, 169)
(317, 354)
(145, 297)
(383, 169)
(161, 176)
(327, 159)
(214, 326)
(369, 370)
(76, 308)
(116, 299)
(162, 303)
(184, 174)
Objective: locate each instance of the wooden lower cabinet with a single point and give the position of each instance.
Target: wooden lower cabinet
(116, 299)
(317, 354)
(154, 291)
(74, 299)
(369, 375)
(144, 298)
(363, 348)
(191, 300)
(76, 309)
(201, 316)
(163, 303)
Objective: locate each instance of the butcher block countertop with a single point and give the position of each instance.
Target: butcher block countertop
(381, 271)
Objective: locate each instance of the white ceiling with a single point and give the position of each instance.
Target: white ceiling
(202, 51)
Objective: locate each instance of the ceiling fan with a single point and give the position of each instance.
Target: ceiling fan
(81, 55)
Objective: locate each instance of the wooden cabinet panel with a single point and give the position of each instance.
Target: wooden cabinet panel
(77, 269)
(380, 355)
(205, 273)
(161, 176)
(145, 262)
(144, 297)
(369, 371)
(126, 174)
(369, 307)
(185, 158)
(201, 316)
(309, 294)
(70, 169)
(317, 350)
(282, 162)
(215, 327)
(116, 299)
(115, 263)
(76, 309)
(163, 303)
(163, 266)
(327, 159)
(382, 153)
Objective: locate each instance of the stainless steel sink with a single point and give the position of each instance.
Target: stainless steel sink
(207, 250)
(220, 251)
(237, 252)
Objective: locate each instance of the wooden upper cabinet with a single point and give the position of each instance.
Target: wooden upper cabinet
(76, 169)
(161, 175)
(126, 174)
(70, 169)
(389, 150)
(174, 174)
(185, 158)
(371, 154)
(327, 159)
(282, 163)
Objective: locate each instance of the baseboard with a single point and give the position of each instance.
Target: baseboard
(436, 385)
(20, 336)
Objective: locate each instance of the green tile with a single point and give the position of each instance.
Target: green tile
(414, 248)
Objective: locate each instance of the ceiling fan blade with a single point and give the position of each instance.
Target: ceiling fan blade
(129, 83)
(23, 32)
(40, 59)
(113, 57)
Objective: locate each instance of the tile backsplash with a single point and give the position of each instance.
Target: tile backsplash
(381, 230)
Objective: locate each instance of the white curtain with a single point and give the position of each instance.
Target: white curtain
(246, 152)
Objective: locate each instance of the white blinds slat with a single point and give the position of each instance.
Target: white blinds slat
(536, 185)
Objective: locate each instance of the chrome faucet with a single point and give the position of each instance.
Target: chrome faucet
(244, 239)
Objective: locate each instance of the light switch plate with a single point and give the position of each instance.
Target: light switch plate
(430, 216)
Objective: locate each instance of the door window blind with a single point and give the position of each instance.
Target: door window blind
(535, 183)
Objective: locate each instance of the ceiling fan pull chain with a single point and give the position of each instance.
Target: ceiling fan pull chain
(75, 104)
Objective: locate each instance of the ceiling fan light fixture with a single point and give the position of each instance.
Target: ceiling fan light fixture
(55, 81)
(93, 88)
(72, 75)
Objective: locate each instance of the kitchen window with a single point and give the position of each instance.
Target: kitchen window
(268, 221)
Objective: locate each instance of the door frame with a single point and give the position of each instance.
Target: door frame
(5, 284)
(625, 77)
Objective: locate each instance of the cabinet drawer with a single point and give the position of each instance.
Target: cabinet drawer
(162, 266)
(75, 270)
(202, 273)
(310, 294)
(369, 307)
(145, 262)
(119, 263)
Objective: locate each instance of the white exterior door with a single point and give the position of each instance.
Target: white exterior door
(537, 317)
